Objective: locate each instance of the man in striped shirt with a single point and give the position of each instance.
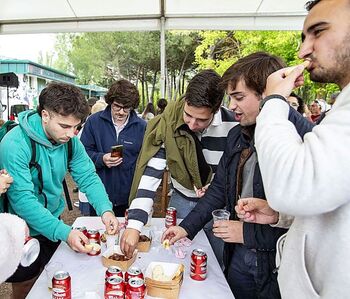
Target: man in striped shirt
(189, 138)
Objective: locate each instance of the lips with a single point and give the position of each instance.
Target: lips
(238, 116)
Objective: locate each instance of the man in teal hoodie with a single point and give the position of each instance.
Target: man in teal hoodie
(61, 110)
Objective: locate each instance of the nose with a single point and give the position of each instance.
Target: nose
(233, 104)
(192, 124)
(306, 49)
(71, 133)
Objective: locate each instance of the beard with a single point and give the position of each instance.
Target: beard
(338, 73)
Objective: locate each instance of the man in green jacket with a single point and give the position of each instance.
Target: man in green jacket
(61, 110)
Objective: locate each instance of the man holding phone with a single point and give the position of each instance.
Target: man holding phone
(113, 140)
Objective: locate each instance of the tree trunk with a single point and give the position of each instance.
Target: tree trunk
(154, 85)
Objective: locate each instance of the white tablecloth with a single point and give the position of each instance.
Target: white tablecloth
(87, 272)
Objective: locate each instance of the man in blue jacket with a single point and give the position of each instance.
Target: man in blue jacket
(249, 254)
(118, 124)
(40, 203)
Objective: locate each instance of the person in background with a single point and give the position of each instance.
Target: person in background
(40, 203)
(161, 104)
(315, 109)
(296, 102)
(83, 203)
(315, 253)
(189, 137)
(117, 124)
(149, 112)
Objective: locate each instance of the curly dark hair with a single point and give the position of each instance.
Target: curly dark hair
(123, 92)
(253, 69)
(203, 90)
(161, 104)
(64, 99)
(310, 4)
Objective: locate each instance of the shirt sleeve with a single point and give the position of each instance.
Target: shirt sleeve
(297, 172)
(142, 205)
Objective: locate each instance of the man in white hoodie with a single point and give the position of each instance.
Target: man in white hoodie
(297, 172)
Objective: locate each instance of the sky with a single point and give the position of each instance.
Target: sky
(26, 46)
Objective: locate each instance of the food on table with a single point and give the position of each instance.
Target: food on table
(158, 274)
(118, 257)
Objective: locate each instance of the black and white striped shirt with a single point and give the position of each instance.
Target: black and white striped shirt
(213, 140)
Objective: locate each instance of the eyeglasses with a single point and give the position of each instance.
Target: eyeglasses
(117, 108)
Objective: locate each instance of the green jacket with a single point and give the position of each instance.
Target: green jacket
(24, 199)
(179, 145)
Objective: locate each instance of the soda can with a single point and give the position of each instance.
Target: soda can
(82, 229)
(170, 217)
(114, 288)
(126, 216)
(30, 251)
(61, 285)
(114, 271)
(198, 264)
(133, 272)
(135, 289)
(94, 237)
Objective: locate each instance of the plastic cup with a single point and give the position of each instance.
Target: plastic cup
(220, 214)
(50, 269)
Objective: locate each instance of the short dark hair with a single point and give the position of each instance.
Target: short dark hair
(301, 108)
(161, 104)
(204, 91)
(310, 4)
(254, 70)
(92, 101)
(123, 92)
(64, 99)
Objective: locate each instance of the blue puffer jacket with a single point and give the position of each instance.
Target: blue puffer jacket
(98, 136)
(222, 193)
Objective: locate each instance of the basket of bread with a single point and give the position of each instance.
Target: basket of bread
(114, 257)
(164, 279)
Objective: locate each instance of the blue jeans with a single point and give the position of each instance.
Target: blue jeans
(242, 273)
(183, 208)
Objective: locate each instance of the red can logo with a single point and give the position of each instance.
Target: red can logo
(170, 217)
(135, 289)
(198, 264)
(61, 285)
(94, 237)
(114, 271)
(114, 288)
(133, 272)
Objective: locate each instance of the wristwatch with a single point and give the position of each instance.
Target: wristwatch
(272, 96)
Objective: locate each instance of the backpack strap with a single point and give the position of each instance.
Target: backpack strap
(34, 164)
(64, 183)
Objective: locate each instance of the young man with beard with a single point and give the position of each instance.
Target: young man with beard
(249, 248)
(40, 203)
(315, 261)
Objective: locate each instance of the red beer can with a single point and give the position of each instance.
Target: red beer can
(170, 217)
(94, 237)
(198, 264)
(133, 272)
(114, 271)
(114, 288)
(126, 214)
(82, 229)
(61, 285)
(135, 289)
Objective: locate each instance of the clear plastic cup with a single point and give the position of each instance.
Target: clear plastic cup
(50, 269)
(220, 214)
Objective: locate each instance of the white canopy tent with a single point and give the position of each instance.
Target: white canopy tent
(43, 16)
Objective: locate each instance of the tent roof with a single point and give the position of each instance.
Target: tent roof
(38, 16)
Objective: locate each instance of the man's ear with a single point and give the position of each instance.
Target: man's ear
(45, 116)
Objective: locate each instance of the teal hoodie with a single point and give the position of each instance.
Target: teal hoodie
(24, 198)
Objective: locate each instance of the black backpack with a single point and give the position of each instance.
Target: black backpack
(9, 125)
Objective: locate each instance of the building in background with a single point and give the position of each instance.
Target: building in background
(32, 79)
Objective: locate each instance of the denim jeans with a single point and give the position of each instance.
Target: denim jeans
(243, 272)
(183, 208)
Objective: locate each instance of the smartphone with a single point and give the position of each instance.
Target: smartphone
(117, 151)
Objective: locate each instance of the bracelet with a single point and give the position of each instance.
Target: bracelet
(272, 96)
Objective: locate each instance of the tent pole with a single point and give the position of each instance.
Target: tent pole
(162, 57)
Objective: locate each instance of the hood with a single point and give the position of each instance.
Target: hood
(31, 123)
